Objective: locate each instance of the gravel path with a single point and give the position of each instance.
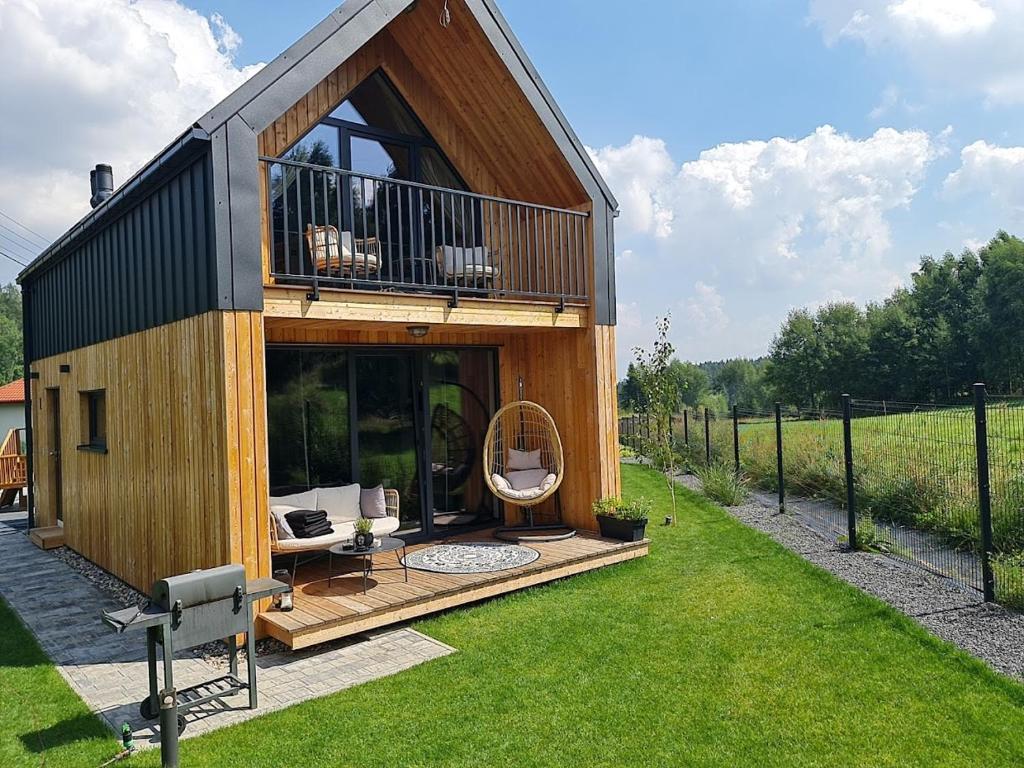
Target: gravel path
(955, 613)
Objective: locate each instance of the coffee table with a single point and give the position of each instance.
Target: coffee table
(386, 544)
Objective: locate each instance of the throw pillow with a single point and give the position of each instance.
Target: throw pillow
(518, 460)
(372, 504)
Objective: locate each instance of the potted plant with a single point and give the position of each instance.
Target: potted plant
(622, 520)
(364, 533)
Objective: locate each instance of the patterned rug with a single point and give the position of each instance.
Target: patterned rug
(472, 557)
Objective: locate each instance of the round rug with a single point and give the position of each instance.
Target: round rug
(471, 557)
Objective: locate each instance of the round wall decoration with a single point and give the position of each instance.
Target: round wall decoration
(471, 557)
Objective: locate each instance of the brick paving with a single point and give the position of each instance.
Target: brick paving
(62, 609)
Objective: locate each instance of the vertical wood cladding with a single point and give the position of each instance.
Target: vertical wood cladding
(154, 264)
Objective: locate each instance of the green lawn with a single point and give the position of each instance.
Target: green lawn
(42, 721)
(720, 648)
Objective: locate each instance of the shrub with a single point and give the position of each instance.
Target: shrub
(720, 484)
(635, 509)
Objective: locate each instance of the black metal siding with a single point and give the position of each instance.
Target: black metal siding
(152, 265)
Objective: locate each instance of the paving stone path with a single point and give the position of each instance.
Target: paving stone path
(62, 609)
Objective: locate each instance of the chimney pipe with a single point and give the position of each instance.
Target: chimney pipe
(101, 181)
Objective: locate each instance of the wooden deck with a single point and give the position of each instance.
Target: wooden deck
(322, 613)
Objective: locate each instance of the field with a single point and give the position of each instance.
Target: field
(913, 469)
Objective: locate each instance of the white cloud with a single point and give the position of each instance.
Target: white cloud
(89, 81)
(637, 171)
(758, 226)
(992, 170)
(704, 311)
(782, 211)
(970, 45)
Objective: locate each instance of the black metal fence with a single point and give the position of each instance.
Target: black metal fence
(940, 486)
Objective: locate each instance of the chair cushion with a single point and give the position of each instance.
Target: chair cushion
(505, 488)
(456, 260)
(372, 504)
(340, 504)
(284, 531)
(518, 460)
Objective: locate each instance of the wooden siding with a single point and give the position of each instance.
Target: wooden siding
(182, 484)
(326, 611)
(570, 372)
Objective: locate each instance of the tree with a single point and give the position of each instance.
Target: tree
(1001, 294)
(689, 381)
(11, 349)
(661, 396)
(795, 360)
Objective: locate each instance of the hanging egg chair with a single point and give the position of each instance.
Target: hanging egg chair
(523, 466)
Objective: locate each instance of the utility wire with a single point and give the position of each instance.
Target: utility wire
(42, 238)
(8, 256)
(12, 244)
(34, 246)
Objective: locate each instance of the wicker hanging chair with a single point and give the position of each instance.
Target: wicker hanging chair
(523, 466)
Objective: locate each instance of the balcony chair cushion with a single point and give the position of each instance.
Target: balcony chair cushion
(372, 504)
(456, 261)
(341, 504)
(525, 493)
(518, 460)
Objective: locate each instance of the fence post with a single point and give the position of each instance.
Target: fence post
(984, 492)
(778, 456)
(686, 427)
(707, 437)
(851, 496)
(736, 437)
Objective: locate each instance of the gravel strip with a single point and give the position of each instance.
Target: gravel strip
(954, 613)
(126, 595)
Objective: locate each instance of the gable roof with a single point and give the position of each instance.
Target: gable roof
(272, 91)
(13, 392)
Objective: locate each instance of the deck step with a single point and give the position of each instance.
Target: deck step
(47, 538)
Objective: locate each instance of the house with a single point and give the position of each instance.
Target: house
(335, 275)
(12, 406)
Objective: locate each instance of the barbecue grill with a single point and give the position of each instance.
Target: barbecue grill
(190, 610)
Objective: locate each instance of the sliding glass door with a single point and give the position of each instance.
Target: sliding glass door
(409, 419)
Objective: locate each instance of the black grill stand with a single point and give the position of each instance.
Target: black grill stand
(191, 610)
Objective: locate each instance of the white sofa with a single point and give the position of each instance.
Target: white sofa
(342, 507)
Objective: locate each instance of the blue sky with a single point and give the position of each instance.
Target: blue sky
(767, 155)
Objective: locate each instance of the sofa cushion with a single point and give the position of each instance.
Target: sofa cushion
(384, 526)
(519, 460)
(304, 500)
(340, 504)
(372, 503)
(284, 531)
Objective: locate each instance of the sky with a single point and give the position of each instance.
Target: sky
(766, 155)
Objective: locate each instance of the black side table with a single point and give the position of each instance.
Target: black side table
(386, 544)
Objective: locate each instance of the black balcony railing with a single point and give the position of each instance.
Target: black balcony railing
(334, 228)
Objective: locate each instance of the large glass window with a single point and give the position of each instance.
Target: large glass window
(340, 415)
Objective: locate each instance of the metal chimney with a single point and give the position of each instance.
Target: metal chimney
(101, 181)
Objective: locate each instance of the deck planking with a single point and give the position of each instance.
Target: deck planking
(325, 613)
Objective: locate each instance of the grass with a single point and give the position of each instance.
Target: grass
(720, 483)
(720, 648)
(42, 721)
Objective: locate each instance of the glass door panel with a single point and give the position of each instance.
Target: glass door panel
(460, 395)
(387, 426)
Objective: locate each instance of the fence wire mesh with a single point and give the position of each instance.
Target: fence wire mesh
(918, 472)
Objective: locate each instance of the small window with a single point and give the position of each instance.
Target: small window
(94, 421)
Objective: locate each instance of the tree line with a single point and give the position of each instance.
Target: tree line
(960, 320)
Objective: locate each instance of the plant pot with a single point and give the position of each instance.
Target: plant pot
(623, 530)
(364, 540)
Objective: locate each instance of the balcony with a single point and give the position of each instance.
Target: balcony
(334, 229)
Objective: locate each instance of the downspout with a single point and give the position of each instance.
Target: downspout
(26, 333)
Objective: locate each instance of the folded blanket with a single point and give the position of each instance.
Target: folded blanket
(309, 523)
